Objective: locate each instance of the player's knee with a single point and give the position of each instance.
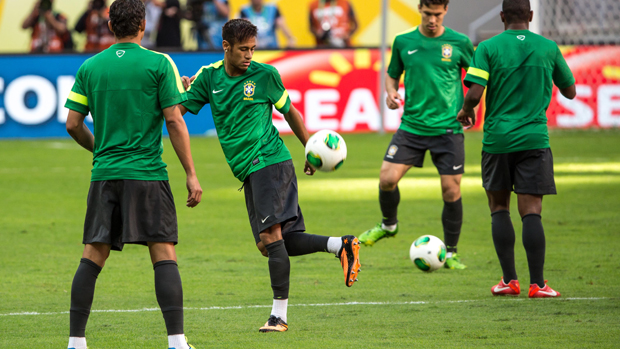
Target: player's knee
(451, 194)
(263, 250)
(387, 183)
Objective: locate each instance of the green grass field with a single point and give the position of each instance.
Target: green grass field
(226, 283)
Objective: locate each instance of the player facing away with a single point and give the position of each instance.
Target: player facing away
(242, 94)
(518, 68)
(130, 91)
(432, 57)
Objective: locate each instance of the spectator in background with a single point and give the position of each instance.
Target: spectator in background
(209, 16)
(267, 18)
(169, 32)
(49, 29)
(332, 22)
(153, 15)
(95, 22)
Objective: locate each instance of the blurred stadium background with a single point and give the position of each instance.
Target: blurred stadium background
(336, 88)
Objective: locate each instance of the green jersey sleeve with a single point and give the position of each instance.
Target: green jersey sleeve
(468, 53)
(77, 100)
(562, 75)
(478, 72)
(277, 94)
(198, 92)
(171, 90)
(396, 67)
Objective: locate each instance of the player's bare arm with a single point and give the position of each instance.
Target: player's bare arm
(293, 118)
(467, 115)
(179, 136)
(394, 99)
(569, 92)
(78, 130)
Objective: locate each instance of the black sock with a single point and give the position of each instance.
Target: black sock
(534, 243)
(298, 243)
(279, 269)
(452, 219)
(82, 293)
(389, 201)
(504, 240)
(169, 291)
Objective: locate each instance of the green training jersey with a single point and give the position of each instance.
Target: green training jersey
(433, 86)
(242, 108)
(519, 69)
(125, 89)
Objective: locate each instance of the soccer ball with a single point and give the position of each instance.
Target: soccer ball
(326, 151)
(428, 253)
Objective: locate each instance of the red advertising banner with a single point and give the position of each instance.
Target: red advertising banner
(338, 89)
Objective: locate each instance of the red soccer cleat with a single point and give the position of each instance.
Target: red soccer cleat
(510, 289)
(545, 292)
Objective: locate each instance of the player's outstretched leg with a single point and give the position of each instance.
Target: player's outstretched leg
(350, 258)
(82, 293)
(346, 248)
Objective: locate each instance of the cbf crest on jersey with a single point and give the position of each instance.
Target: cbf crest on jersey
(248, 90)
(446, 52)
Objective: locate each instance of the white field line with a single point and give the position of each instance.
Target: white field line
(33, 313)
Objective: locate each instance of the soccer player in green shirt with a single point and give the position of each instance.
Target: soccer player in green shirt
(433, 58)
(242, 95)
(130, 91)
(519, 69)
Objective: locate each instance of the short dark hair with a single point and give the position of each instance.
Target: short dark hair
(434, 2)
(126, 16)
(516, 11)
(238, 30)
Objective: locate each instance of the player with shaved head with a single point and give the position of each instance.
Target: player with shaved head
(518, 69)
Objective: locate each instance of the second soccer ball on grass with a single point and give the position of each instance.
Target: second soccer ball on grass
(428, 253)
(326, 151)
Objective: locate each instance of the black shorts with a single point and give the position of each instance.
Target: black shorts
(271, 198)
(525, 172)
(130, 212)
(447, 151)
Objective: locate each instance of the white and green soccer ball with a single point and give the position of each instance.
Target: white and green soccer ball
(428, 253)
(326, 151)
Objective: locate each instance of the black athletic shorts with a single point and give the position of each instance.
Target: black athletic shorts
(271, 198)
(130, 212)
(447, 151)
(525, 172)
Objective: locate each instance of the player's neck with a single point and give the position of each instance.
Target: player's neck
(432, 35)
(257, 8)
(231, 70)
(129, 40)
(517, 26)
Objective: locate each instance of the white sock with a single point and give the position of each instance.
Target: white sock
(448, 254)
(77, 342)
(279, 308)
(389, 228)
(334, 245)
(177, 341)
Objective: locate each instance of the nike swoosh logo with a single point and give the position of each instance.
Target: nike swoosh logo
(263, 220)
(552, 294)
(500, 289)
(412, 52)
(214, 91)
(456, 167)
